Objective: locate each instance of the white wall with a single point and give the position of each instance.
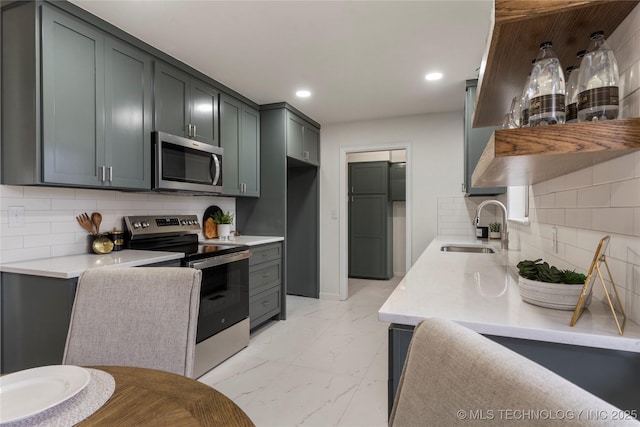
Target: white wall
(50, 227)
(434, 158)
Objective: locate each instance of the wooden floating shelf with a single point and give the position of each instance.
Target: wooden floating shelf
(518, 29)
(531, 155)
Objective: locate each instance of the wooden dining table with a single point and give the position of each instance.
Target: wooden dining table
(148, 397)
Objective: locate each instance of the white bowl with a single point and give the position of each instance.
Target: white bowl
(559, 296)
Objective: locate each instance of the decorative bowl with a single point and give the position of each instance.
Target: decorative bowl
(558, 296)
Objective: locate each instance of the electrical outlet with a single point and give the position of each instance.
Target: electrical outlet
(16, 216)
(554, 239)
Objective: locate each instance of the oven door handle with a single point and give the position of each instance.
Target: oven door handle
(219, 260)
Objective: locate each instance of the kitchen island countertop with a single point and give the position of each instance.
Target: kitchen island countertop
(480, 291)
(70, 266)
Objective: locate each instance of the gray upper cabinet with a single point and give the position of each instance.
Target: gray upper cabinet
(185, 106)
(72, 100)
(128, 115)
(303, 140)
(240, 138)
(90, 126)
(398, 182)
(475, 140)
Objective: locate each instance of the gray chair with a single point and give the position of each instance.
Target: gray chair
(142, 317)
(454, 376)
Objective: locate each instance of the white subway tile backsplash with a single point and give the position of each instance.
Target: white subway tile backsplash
(625, 193)
(27, 230)
(613, 170)
(596, 196)
(548, 200)
(637, 163)
(578, 179)
(28, 204)
(579, 218)
(636, 221)
(14, 255)
(89, 194)
(11, 191)
(566, 199)
(631, 105)
(47, 193)
(56, 238)
(11, 242)
(630, 79)
(555, 216)
(615, 220)
(73, 204)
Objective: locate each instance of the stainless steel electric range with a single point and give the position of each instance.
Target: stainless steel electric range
(223, 319)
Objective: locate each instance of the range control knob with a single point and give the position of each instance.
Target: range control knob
(145, 224)
(136, 225)
(183, 222)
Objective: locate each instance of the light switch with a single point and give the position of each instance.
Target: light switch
(16, 216)
(334, 214)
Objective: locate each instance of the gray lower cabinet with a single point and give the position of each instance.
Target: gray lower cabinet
(184, 105)
(302, 139)
(265, 283)
(612, 375)
(240, 138)
(88, 122)
(370, 221)
(35, 320)
(475, 140)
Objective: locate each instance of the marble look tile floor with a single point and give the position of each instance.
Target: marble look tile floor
(326, 365)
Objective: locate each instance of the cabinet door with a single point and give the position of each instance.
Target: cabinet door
(311, 145)
(230, 115)
(369, 254)
(475, 140)
(128, 115)
(295, 136)
(204, 112)
(250, 151)
(171, 91)
(72, 100)
(398, 181)
(369, 178)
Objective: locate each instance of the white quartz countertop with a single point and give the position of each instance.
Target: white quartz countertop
(480, 291)
(67, 267)
(246, 240)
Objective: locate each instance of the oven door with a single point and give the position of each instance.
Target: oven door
(186, 165)
(224, 293)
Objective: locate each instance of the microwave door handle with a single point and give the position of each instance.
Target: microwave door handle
(216, 174)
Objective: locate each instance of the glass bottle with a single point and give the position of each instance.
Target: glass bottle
(524, 101)
(547, 89)
(598, 82)
(572, 90)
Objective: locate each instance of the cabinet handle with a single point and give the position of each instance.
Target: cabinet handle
(110, 173)
(189, 130)
(265, 303)
(265, 275)
(195, 131)
(103, 172)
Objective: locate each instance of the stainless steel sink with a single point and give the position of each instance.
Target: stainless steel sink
(460, 247)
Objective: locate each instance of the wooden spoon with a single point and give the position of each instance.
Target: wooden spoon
(85, 222)
(96, 218)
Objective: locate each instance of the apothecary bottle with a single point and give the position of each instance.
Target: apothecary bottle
(598, 82)
(571, 98)
(547, 89)
(524, 101)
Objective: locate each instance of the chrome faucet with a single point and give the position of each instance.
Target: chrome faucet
(505, 232)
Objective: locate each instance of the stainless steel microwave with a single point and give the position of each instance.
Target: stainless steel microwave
(182, 164)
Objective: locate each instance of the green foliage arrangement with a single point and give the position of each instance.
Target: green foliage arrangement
(542, 272)
(494, 227)
(223, 217)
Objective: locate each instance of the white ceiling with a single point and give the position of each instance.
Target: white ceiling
(360, 59)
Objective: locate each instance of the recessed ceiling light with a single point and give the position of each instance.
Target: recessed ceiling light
(303, 94)
(433, 76)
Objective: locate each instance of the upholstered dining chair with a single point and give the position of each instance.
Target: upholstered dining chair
(454, 376)
(141, 317)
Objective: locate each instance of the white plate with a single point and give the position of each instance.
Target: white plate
(26, 393)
